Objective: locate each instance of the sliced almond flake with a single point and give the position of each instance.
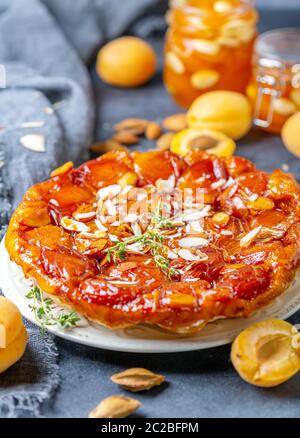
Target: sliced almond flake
(115, 224)
(196, 226)
(82, 216)
(120, 282)
(192, 216)
(201, 179)
(192, 242)
(193, 205)
(166, 185)
(250, 237)
(229, 182)
(226, 232)
(96, 235)
(108, 192)
(99, 225)
(136, 229)
(218, 184)
(127, 189)
(141, 196)
(188, 255)
(275, 233)
(253, 197)
(135, 248)
(113, 238)
(33, 142)
(172, 255)
(172, 236)
(34, 124)
(131, 217)
(72, 225)
(111, 209)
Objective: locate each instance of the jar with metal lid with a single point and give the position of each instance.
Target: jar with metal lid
(275, 86)
(209, 46)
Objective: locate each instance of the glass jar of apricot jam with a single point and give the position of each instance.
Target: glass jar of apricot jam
(209, 46)
(275, 86)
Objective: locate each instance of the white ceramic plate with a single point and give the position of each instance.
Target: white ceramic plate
(142, 339)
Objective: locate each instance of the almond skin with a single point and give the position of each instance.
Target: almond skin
(106, 146)
(132, 124)
(115, 406)
(152, 131)
(137, 379)
(164, 141)
(175, 123)
(125, 137)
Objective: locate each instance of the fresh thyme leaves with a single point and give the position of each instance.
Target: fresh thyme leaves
(153, 239)
(44, 313)
(162, 222)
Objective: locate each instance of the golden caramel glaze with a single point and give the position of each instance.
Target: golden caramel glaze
(249, 259)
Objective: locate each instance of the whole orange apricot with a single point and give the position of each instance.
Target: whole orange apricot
(126, 62)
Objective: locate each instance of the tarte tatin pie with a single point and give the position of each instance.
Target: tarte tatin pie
(177, 265)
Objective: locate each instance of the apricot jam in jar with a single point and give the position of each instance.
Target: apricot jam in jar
(275, 86)
(208, 47)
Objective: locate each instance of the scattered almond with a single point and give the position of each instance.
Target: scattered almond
(175, 123)
(164, 141)
(34, 142)
(250, 237)
(192, 242)
(137, 379)
(115, 406)
(73, 225)
(138, 125)
(126, 137)
(152, 131)
(107, 146)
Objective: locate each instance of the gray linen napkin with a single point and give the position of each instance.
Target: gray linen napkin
(48, 94)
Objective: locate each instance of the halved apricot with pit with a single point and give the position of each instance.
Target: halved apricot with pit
(211, 141)
(266, 354)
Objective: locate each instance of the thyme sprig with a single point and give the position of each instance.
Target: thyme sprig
(151, 238)
(44, 312)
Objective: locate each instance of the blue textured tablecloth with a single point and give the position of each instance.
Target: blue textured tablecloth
(199, 384)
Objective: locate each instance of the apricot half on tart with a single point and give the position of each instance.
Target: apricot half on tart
(267, 353)
(158, 238)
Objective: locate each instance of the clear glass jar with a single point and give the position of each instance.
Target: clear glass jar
(275, 86)
(208, 46)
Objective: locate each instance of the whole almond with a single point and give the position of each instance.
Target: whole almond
(115, 406)
(126, 137)
(152, 131)
(137, 379)
(164, 141)
(132, 124)
(109, 145)
(175, 123)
